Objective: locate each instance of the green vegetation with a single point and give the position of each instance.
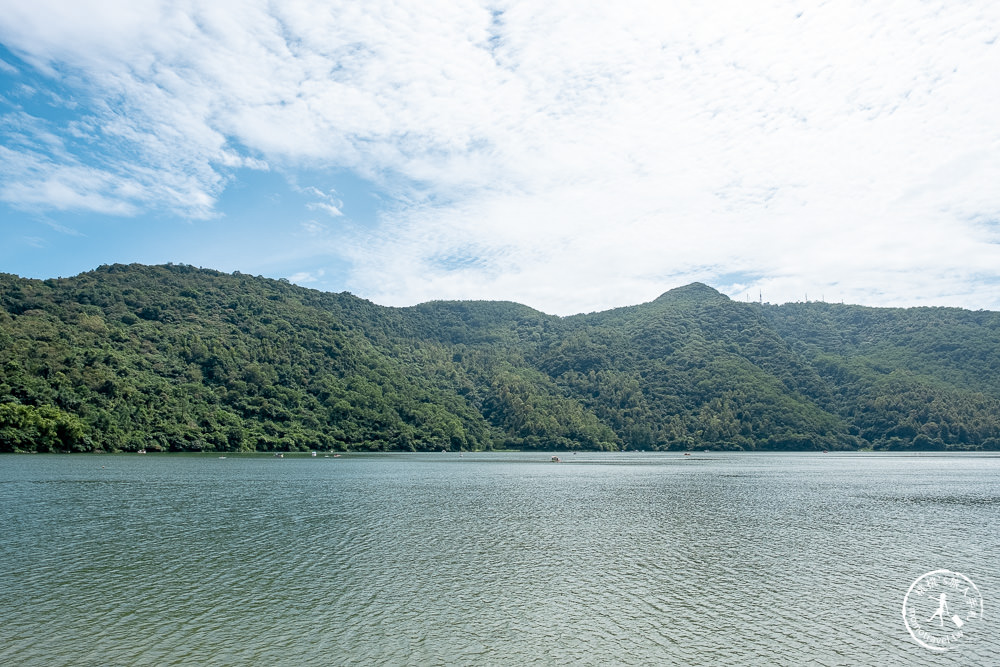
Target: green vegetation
(184, 359)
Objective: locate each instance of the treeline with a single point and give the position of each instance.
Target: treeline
(176, 358)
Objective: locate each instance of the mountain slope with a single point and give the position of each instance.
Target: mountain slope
(178, 358)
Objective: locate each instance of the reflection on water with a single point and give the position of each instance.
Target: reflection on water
(488, 558)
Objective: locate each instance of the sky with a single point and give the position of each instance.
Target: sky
(572, 156)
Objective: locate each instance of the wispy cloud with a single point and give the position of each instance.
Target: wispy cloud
(572, 156)
(326, 208)
(31, 181)
(313, 228)
(62, 229)
(306, 277)
(328, 201)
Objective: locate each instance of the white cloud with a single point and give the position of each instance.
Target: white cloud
(326, 208)
(572, 156)
(313, 228)
(306, 277)
(30, 181)
(62, 229)
(329, 202)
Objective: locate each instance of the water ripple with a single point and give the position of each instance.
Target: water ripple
(489, 560)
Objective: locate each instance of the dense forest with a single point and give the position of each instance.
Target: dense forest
(175, 358)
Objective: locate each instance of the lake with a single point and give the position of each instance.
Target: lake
(490, 558)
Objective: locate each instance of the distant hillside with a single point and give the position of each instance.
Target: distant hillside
(184, 359)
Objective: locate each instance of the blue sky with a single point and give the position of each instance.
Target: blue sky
(571, 156)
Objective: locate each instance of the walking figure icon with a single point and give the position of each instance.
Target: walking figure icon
(941, 610)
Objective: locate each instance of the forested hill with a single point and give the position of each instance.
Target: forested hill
(185, 359)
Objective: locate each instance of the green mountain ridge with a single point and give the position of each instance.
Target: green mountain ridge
(183, 359)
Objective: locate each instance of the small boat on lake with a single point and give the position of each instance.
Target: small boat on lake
(556, 459)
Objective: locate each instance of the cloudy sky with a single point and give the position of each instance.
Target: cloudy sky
(571, 156)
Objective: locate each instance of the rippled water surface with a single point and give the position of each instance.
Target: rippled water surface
(492, 559)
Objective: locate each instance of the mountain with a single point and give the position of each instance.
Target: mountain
(184, 359)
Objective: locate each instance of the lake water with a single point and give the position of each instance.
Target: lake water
(490, 559)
